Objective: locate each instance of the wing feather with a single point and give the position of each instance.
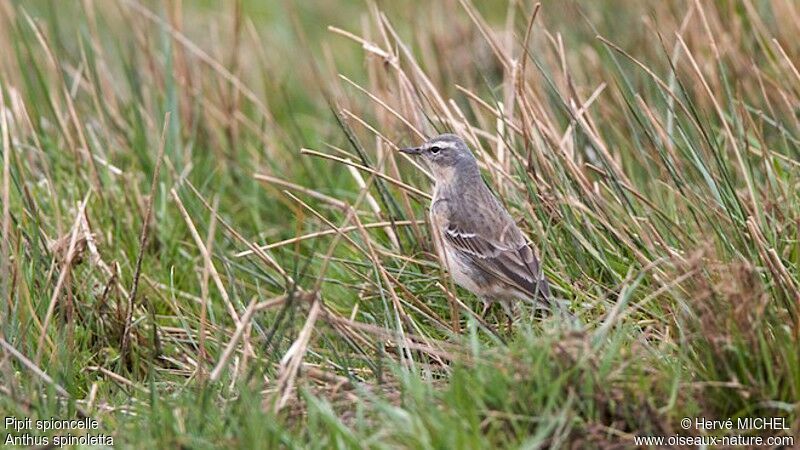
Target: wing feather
(513, 262)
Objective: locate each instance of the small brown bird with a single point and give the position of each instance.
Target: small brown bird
(475, 237)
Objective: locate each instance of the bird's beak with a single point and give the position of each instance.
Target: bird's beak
(411, 150)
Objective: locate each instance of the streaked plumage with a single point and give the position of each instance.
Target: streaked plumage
(476, 238)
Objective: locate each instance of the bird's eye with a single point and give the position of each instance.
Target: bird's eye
(434, 150)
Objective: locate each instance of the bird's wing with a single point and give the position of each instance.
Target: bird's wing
(510, 257)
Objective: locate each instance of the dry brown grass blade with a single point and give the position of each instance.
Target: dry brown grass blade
(5, 260)
(579, 113)
(386, 106)
(788, 60)
(208, 261)
(383, 138)
(454, 300)
(340, 232)
(202, 56)
(486, 31)
(408, 89)
(264, 257)
(499, 173)
(201, 347)
(442, 256)
(438, 348)
(526, 41)
(368, 46)
(143, 240)
(38, 372)
(317, 234)
(252, 308)
(293, 358)
(296, 187)
(117, 378)
(84, 149)
(388, 280)
(773, 261)
(494, 111)
(745, 173)
(376, 208)
(663, 85)
(394, 181)
(65, 269)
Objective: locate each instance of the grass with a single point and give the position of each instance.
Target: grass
(209, 240)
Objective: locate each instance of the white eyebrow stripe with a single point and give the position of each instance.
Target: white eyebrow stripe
(441, 144)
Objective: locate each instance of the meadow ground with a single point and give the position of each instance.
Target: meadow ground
(209, 239)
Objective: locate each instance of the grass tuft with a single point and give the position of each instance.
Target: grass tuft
(210, 240)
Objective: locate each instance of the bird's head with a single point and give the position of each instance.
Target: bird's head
(446, 155)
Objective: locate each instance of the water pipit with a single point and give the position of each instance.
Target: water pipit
(475, 237)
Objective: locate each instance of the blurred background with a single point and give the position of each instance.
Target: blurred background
(270, 280)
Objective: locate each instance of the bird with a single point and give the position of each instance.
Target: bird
(475, 237)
